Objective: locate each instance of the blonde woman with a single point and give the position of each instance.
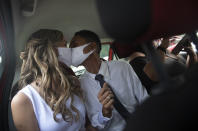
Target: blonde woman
(50, 98)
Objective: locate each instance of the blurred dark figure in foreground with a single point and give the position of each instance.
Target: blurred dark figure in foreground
(176, 107)
(173, 110)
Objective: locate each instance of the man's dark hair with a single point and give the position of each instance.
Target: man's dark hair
(90, 37)
(138, 48)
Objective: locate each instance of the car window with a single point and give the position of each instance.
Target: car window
(104, 53)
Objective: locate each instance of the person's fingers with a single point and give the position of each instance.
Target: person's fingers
(103, 97)
(107, 99)
(111, 95)
(188, 49)
(102, 90)
(109, 104)
(105, 85)
(90, 47)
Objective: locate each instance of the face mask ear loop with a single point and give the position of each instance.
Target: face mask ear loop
(89, 51)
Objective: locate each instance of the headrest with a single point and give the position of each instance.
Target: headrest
(143, 20)
(123, 50)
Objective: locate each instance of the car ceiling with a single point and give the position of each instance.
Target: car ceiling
(68, 16)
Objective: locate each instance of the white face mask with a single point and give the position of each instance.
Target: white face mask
(78, 57)
(65, 55)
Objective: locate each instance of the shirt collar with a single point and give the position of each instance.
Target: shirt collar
(104, 70)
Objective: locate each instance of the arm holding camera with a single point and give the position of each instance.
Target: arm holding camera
(192, 56)
(185, 45)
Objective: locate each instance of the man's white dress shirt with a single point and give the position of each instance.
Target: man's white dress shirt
(124, 83)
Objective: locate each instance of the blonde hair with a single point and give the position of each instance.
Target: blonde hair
(40, 62)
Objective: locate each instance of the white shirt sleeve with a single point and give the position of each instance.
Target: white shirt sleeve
(103, 120)
(138, 89)
(96, 117)
(93, 106)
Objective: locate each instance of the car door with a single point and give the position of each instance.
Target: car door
(7, 60)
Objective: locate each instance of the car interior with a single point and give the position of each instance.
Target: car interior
(28, 16)
(116, 23)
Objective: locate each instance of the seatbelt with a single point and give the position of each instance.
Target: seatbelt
(117, 104)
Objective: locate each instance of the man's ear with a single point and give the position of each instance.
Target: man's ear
(90, 47)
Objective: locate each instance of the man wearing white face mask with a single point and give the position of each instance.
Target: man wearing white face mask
(108, 105)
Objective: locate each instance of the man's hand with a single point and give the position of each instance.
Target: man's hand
(192, 56)
(184, 42)
(105, 96)
(189, 50)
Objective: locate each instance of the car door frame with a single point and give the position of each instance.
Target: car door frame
(7, 32)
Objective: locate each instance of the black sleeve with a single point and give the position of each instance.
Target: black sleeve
(138, 65)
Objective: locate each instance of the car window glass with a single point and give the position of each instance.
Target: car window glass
(104, 53)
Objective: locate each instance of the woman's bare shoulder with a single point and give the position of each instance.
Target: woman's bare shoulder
(20, 99)
(23, 113)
